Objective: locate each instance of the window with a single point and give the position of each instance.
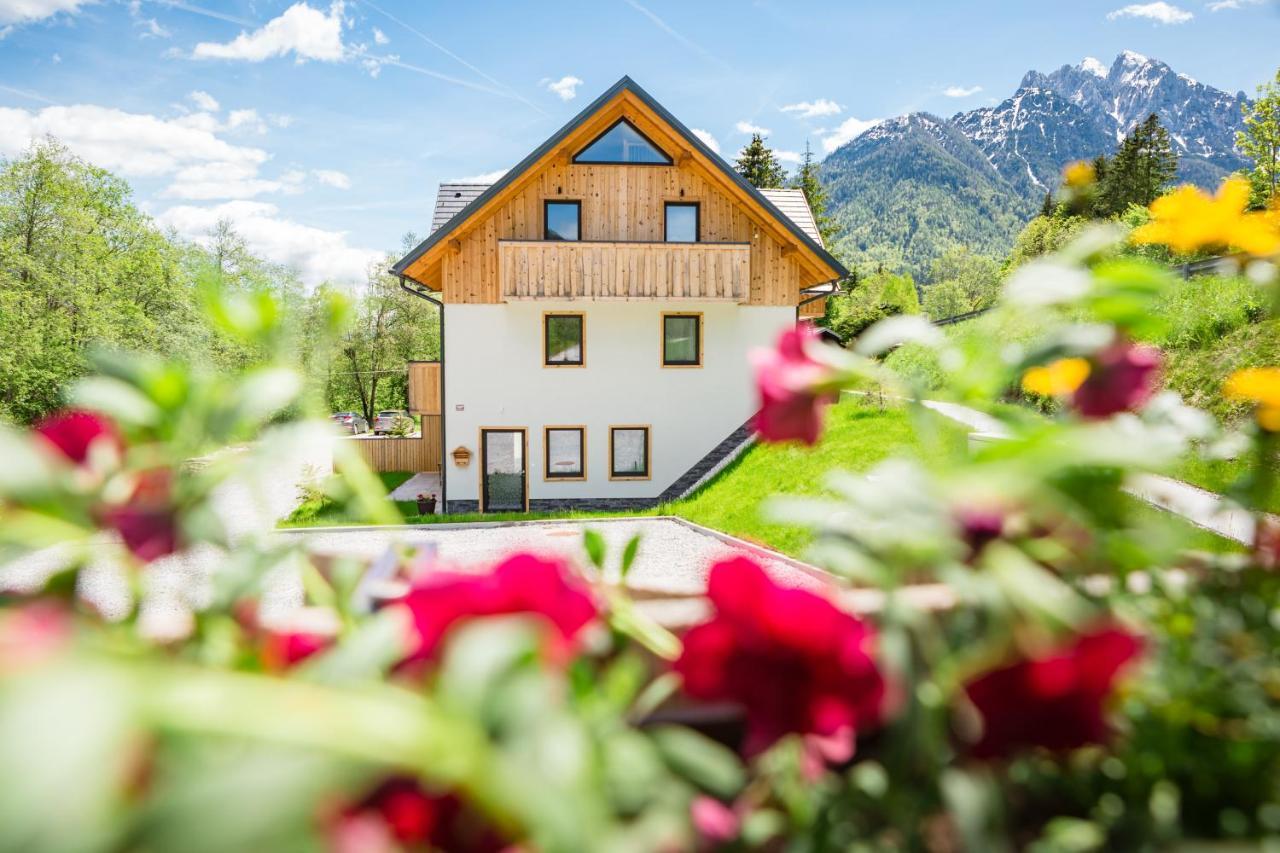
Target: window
(561, 219)
(622, 143)
(563, 343)
(681, 221)
(565, 453)
(629, 453)
(681, 340)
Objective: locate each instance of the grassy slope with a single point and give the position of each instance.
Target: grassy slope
(1213, 329)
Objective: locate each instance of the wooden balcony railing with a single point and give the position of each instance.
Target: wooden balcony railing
(706, 272)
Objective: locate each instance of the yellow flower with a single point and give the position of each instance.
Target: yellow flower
(1056, 379)
(1079, 174)
(1260, 385)
(1188, 219)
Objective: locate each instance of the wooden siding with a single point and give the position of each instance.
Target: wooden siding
(418, 453)
(706, 272)
(620, 203)
(814, 309)
(424, 387)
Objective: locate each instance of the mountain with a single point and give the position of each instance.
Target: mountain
(909, 187)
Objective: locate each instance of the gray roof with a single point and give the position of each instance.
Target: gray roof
(629, 85)
(453, 197)
(796, 207)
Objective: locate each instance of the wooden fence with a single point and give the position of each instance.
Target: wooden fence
(415, 453)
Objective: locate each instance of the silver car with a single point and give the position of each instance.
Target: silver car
(391, 420)
(351, 422)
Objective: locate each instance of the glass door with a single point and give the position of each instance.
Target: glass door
(503, 471)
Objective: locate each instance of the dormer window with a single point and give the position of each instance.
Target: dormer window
(622, 143)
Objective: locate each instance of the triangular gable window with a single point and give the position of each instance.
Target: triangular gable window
(622, 143)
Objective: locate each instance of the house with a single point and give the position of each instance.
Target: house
(598, 305)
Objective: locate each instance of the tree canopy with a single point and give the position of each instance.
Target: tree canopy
(759, 165)
(1260, 142)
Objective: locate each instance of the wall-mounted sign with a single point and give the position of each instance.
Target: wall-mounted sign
(458, 407)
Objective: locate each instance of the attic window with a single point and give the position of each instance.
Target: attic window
(622, 143)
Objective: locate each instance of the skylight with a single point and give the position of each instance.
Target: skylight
(622, 143)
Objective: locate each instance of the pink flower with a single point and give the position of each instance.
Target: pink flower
(1122, 378)
(979, 525)
(792, 659)
(789, 382)
(148, 521)
(283, 649)
(73, 431)
(522, 583)
(1054, 700)
(713, 820)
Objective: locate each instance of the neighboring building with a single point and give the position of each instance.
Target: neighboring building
(599, 304)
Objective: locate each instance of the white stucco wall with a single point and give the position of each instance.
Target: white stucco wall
(494, 374)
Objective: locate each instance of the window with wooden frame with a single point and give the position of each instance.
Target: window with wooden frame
(623, 144)
(682, 339)
(629, 452)
(564, 452)
(562, 220)
(564, 339)
(681, 221)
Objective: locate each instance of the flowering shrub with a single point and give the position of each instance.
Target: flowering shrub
(1009, 658)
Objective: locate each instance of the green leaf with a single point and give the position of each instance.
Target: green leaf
(594, 543)
(629, 554)
(121, 401)
(708, 765)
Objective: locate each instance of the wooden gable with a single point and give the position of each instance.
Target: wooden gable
(621, 204)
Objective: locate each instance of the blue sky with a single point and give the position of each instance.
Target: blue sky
(322, 128)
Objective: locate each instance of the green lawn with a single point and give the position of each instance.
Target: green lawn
(859, 434)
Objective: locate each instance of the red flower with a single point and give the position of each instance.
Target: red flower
(1121, 378)
(522, 583)
(283, 649)
(979, 525)
(148, 522)
(794, 660)
(788, 380)
(73, 431)
(1054, 700)
(414, 817)
(713, 820)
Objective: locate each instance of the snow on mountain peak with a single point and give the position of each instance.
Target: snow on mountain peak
(1094, 67)
(1131, 57)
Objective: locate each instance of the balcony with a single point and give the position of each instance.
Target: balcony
(671, 272)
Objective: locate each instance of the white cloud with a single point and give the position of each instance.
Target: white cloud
(1160, 12)
(814, 109)
(134, 144)
(213, 181)
(373, 64)
(707, 139)
(485, 178)
(204, 101)
(1222, 5)
(849, 129)
(26, 11)
(789, 156)
(379, 37)
(332, 178)
(961, 91)
(566, 87)
(279, 119)
(153, 29)
(56, 59)
(748, 127)
(317, 254)
(246, 119)
(303, 31)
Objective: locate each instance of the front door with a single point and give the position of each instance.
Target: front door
(503, 473)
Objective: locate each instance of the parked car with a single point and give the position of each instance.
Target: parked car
(350, 422)
(391, 420)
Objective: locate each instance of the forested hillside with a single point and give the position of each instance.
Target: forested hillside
(82, 267)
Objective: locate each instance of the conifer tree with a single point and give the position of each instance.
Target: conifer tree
(1140, 171)
(807, 181)
(1260, 142)
(759, 165)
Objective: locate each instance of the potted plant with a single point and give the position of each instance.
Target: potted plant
(427, 504)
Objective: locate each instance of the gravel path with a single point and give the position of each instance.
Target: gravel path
(674, 556)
